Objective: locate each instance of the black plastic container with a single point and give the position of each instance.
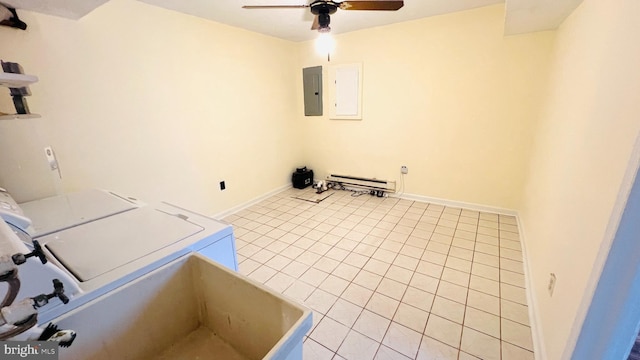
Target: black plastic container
(302, 178)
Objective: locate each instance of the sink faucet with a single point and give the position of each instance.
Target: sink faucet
(24, 314)
(9, 271)
(20, 259)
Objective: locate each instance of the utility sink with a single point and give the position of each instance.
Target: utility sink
(191, 308)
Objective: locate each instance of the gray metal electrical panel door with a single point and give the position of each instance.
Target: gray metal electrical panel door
(312, 82)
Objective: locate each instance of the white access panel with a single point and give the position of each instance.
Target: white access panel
(346, 86)
(61, 212)
(347, 91)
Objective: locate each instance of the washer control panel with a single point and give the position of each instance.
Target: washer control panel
(11, 212)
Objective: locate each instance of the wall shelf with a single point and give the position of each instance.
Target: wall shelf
(19, 116)
(16, 80)
(11, 80)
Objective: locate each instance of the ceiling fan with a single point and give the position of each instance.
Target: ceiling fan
(322, 9)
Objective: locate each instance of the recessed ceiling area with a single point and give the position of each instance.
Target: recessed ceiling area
(521, 16)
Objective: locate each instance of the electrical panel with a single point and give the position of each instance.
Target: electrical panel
(312, 82)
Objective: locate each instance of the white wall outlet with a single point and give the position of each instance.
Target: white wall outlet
(404, 169)
(552, 283)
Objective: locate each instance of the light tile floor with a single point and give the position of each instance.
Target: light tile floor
(389, 278)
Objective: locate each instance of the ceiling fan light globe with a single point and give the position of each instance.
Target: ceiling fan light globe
(325, 43)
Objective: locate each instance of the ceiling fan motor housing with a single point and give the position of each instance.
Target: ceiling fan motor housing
(323, 21)
(323, 7)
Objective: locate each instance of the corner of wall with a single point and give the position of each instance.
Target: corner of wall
(539, 350)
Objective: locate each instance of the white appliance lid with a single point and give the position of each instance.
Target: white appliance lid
(93, 249)
(11, 212)
(64, 211)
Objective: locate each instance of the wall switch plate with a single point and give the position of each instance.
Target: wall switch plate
(552, 283)
(404, 169)
(222, 185)
(51, 158)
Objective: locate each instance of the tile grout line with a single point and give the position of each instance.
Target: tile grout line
(339, 297)
(379, 246)
(468, 286)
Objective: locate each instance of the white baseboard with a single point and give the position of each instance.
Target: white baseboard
(458, 204)
(539, 350)
(251, 202)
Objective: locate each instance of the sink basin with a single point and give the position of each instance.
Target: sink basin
(191, 308)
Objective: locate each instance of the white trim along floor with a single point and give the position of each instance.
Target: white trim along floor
(389, 278)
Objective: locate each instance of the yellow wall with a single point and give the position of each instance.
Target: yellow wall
(448, 96)
(156, 104)
(134, 95)
(163, 106)
(583, 145)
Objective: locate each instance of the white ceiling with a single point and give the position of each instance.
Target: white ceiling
(523, 16)
(70, 9)
(294, 24)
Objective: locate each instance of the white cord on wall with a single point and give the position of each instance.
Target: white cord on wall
(399, 193)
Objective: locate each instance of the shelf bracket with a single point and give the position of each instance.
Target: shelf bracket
(9, 17)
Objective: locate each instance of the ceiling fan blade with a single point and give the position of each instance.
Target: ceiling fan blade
(316, 23)
(371, 5)
(275, 6)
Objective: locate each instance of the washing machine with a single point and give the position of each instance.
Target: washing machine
(56, 213)
(100, 241)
